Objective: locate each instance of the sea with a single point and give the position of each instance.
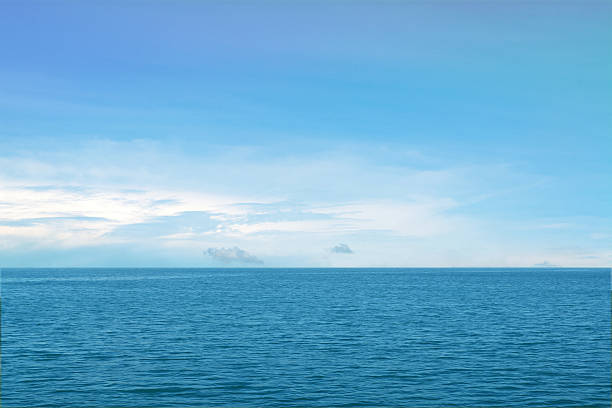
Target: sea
(147, 337)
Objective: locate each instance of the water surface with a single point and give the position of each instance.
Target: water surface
(305, 337)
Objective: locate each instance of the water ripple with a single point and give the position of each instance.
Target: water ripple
(348, 337)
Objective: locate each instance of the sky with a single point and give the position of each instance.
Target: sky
(306, 134)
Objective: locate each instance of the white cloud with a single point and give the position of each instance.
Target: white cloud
(139, 193)
(74, 217)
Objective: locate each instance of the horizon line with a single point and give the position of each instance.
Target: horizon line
(306, 267)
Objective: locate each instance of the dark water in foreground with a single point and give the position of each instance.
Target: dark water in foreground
(305, 337)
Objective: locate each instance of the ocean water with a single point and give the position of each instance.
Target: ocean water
(305, 337)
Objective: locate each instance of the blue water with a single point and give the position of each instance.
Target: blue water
(305, 337)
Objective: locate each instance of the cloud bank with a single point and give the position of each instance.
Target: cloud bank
(235, 254)
(342, 249)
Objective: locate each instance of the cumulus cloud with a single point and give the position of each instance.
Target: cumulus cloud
(234, 254)
(342, 249)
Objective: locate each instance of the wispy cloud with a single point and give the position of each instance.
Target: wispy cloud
(342, 249)
(235, 254)
(188, 222)
(142, 196)
(26, 222)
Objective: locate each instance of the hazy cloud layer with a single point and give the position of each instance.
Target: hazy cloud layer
(342, 249)
(400, 214)
(235, 254)
(183, 224)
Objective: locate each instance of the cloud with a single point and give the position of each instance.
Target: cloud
(192, 222)
(342, 249)
(419, 217)
(406, 213)
(26, 222)
(546, 264)
(235, 254)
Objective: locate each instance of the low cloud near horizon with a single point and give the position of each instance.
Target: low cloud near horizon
(546, 264)
(235, 254)
(342, 249)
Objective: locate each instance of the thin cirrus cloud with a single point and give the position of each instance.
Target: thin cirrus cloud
(27, 222)
(188, 223)
(230, 255)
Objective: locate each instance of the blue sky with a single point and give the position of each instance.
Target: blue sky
(413, 133)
